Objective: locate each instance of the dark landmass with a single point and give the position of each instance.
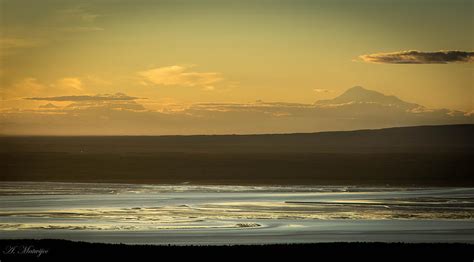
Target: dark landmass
(63, 250)
(424, 155)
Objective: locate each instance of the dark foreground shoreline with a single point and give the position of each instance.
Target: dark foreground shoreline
(64, 250)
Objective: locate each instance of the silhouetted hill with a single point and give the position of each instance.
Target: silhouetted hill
(426, 155)
(402, 139)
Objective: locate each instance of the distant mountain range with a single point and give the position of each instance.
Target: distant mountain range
(357, 108)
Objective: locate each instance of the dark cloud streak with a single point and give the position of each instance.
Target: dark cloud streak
(419, 57)
(105, 97)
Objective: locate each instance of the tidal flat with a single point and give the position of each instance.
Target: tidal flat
(225, 214)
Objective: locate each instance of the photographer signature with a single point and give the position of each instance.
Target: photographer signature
(25, 250)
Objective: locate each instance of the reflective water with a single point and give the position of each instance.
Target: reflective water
(190, 214)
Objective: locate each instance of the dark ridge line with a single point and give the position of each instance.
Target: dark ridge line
(255, 134)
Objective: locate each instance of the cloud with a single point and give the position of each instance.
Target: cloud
(97, 81)
(180, 76)
(321, 90)
(70, 83)
(419, 57)
(10, 45)
(105, 97)
(31, 86)
(77, 13)
(79, 29)
(74, 105)
(108, 105)
(77, 20)
(123, 114)
(129, 117)
(11, 42)
(26, 86)
(101, 105)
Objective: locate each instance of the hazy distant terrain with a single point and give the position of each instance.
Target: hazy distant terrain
(120, 114)
(427, 155)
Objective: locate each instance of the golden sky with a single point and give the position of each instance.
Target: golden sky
(176, 54)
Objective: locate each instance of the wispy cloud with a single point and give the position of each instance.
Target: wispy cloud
(420, 57)
(31, 86)
(104, 97)
(79, 29)
(321, 90)
(77, 20)
(177, 75)
(79, 14)
(10, 45)
(27, 86)
(12, 42)
(70, 83)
